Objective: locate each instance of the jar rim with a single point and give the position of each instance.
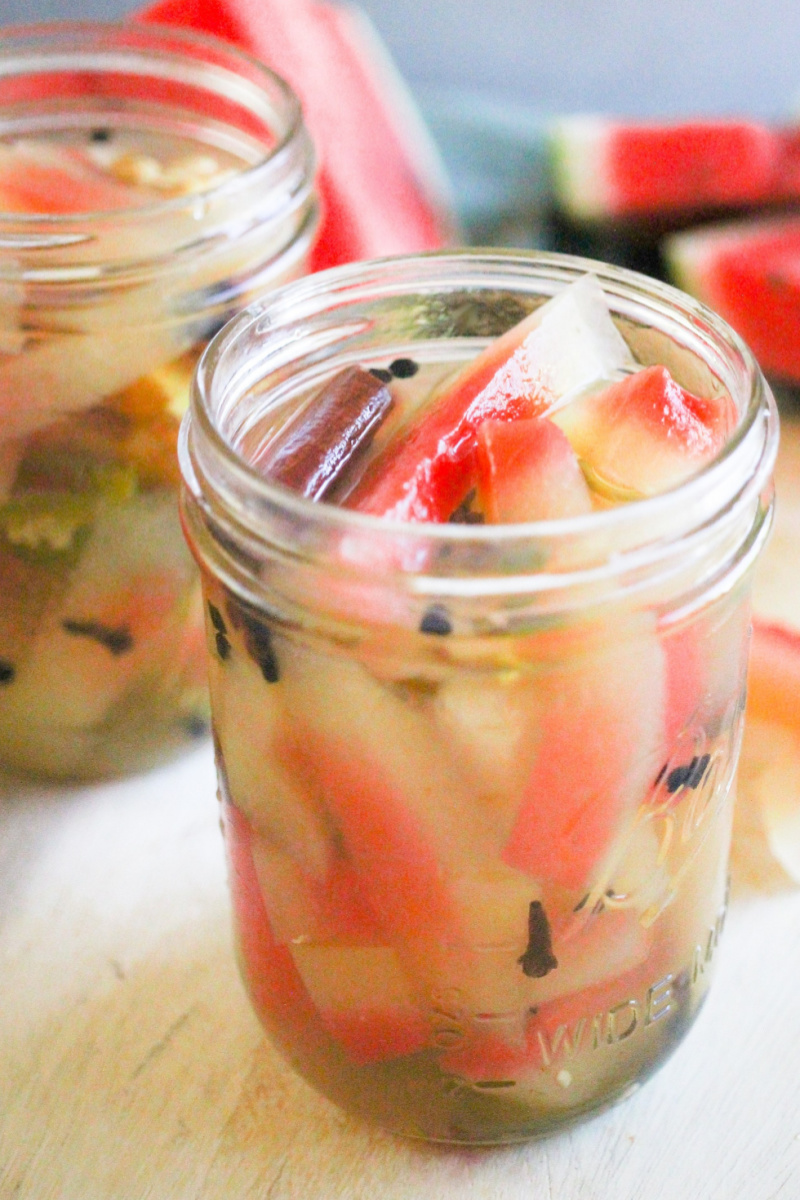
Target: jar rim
(167, 42)
(637, 533)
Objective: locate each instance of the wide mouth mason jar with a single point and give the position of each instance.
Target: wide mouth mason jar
(152, 182)
(476, 780)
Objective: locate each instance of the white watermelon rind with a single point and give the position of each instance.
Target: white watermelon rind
(577, 155)
(691, 254)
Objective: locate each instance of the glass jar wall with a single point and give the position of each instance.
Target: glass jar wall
(476, 780)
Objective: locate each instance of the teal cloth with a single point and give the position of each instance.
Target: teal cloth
(495, 156)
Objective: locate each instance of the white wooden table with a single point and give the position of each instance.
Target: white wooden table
(131, 1066)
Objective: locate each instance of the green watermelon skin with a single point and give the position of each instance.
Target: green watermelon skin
(749, 272)
(604, 168)
(379, 180)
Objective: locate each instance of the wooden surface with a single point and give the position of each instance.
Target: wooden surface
(132, 1068)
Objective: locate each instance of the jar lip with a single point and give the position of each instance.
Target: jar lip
(246, 494)
(164, 40)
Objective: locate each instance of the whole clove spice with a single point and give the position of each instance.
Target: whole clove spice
(538, 959)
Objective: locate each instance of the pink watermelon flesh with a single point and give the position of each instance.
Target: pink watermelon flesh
(426, 474)
(308, 994)
(704, 671)
(610, 954)
(401, 879)
(694, 165)
(646, 433)
(602, 726)
(378, 195)
(527, 471)
(749, 272)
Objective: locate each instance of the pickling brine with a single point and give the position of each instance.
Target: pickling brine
(142, 201)
(476, 584)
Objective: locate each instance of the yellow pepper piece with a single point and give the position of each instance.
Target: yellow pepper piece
(166, 388)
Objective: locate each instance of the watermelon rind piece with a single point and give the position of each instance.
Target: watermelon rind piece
(365, 999)
(401, 104)
(577, 342)
(108, 639)
(62, 372)
(771, 749)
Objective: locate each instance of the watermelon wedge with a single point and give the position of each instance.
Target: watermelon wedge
(305, 909)
(705, 667)
(110, 633)
(610, 964)
(607, 168)
(248, 722)
(379, 180)
(749, 271)
(395, 852)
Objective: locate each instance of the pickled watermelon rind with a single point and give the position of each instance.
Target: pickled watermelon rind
(434, 298)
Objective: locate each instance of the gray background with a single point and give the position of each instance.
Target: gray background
(626, 56)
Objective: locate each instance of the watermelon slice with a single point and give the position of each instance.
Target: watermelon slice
(749, 272)
(645, 434)
(527, 471)
(397, 856)
(407, 816)
(561, 348)
(705, 661)
(606, 168)
(248, 721)
(492, 728)
(478, 965)
(379, 182)
(108, 348)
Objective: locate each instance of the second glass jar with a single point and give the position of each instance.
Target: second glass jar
(151, 183)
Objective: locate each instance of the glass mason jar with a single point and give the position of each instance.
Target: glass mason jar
(477, 780)
(151, 183)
